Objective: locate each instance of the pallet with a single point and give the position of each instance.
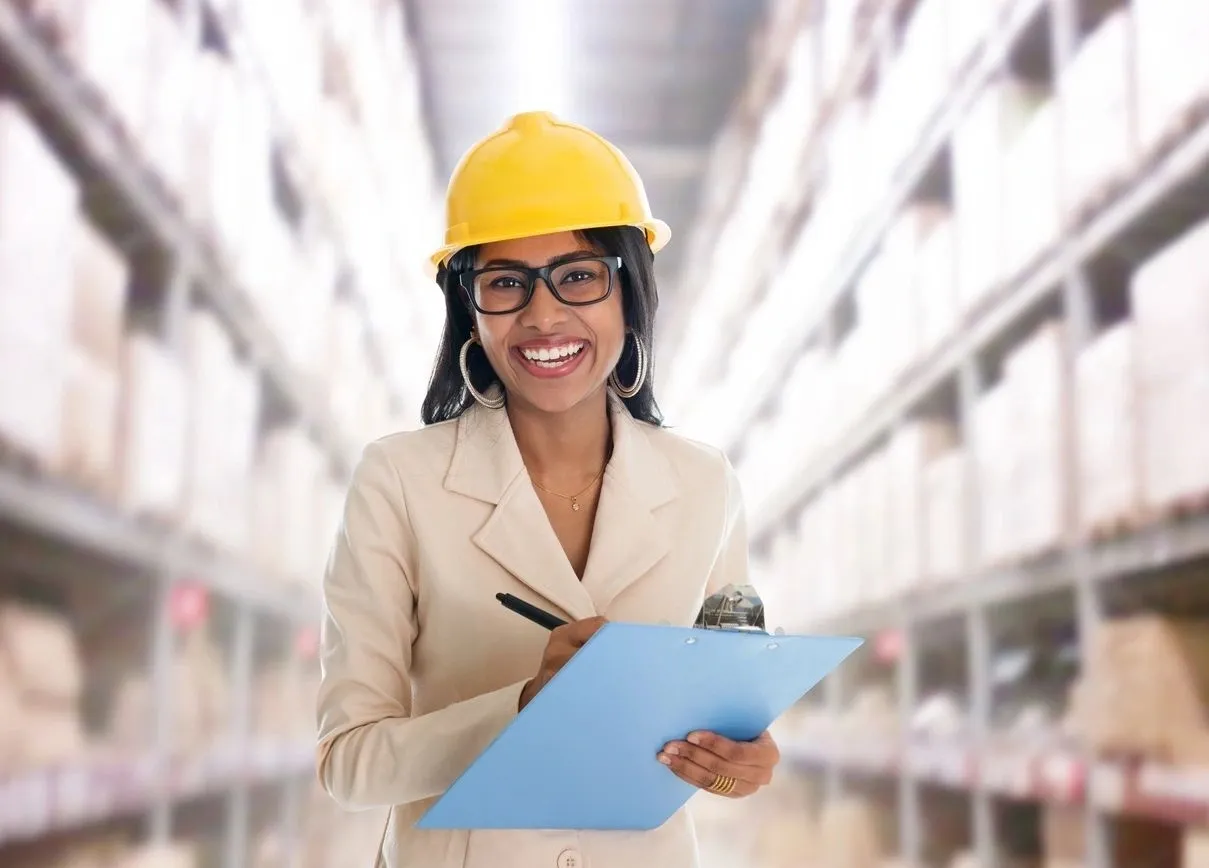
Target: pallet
(21, 460)
(1100, 197)
(1114, 527)
(1186, 507)
(1180, 129)
(156, 523)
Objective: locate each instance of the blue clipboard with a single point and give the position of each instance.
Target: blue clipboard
(583, 753)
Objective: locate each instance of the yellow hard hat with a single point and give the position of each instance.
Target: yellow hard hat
(537, 176)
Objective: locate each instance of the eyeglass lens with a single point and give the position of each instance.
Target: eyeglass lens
(502, 290)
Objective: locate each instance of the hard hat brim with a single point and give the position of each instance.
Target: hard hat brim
(657, 232)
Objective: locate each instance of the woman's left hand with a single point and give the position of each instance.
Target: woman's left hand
(706, 758)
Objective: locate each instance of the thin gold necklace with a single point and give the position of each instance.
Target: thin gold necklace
(574, 498)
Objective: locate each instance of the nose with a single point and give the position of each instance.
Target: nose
(544, 311)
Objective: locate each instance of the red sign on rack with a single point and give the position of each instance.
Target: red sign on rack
(888, 646)
(306, 643)
(189, 606)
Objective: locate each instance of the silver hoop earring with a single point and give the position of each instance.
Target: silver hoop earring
(464, 362)
(639, 378)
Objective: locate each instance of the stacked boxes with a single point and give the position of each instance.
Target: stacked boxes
(225, 413)
(1172, 69)
(995, 470)
(172, 77)
(95, 362)
(1031, 203)
(1170, 297)
(154, 426)
(945, 509)
(292, 499)
(1039, 427)
(1143, 690)
(980, 178)
(110, 43)
(1099, 116)
(40, 686)
(912, 450)
(37, 234)
(936, 284)
(1109, 480)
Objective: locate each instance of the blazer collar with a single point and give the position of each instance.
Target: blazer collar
(631, 535)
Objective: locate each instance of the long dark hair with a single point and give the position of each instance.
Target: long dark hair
(447, 396)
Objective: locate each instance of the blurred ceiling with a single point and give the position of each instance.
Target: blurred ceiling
(656, 77)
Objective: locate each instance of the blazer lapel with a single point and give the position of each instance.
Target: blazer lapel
(632, 533)
(487, 466)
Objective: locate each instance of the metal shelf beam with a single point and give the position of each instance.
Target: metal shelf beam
(1161, 546)
(56, 511)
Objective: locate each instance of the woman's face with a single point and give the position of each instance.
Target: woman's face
(550, 356)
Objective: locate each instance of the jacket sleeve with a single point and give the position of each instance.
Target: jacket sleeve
(372, 752)
(731, 566)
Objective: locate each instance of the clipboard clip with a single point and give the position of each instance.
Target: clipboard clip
(737, 608)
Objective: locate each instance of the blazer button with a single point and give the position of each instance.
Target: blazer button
(570, 859)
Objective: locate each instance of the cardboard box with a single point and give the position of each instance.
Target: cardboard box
(224, 413)
(111, 46)
(1145, 686)
(1032, 198)
(154, 428)
(1099, 115)
(1172, 65)
(911, 450)
(32, 385)
(171, 87)
(298, 470)
(1170, 300)
(42, 666)
(997, 463)
(936, 279)
(1109, 472)
(980, 144)
(90, 423)
(945, 554)
(100, 294)
(39, 199)
(1040, 425)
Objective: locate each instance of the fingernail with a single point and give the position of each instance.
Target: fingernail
(695, 738)
(673, 750)
(665, 759)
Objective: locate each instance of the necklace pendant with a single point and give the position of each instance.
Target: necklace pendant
(574, 504)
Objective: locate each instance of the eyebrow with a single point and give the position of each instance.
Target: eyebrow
(562, 257)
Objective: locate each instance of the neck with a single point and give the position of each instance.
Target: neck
(564, 448)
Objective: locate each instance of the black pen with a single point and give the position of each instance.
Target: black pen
(540, 617)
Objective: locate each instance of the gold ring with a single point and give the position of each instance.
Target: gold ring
(723, 785)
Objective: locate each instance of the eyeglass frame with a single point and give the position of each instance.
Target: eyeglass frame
(614, 264)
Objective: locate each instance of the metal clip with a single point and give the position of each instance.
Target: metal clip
(735, 607)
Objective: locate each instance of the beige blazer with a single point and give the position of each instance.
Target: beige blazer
(422, 667)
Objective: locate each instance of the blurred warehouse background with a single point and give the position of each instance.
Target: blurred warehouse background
(940, 286)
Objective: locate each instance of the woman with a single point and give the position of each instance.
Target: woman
(542, 471)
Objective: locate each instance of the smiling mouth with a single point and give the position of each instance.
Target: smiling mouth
(552, 358)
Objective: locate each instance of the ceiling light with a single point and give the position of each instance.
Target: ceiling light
(539, 55)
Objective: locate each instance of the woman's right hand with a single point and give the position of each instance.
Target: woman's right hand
(563, 643)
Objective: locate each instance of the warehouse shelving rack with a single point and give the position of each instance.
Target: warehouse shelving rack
(321, 219)
(53, 531)
(1081, 580)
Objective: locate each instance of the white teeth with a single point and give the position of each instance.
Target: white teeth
(551, 357)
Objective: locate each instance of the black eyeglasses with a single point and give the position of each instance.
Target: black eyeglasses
(500, 289)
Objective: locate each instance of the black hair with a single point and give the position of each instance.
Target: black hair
(447, 396)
